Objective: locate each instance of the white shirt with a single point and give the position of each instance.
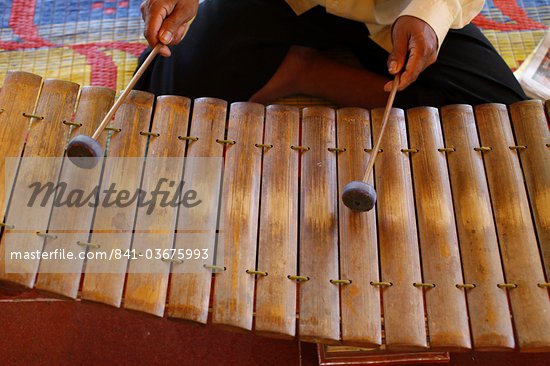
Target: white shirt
(379, 15)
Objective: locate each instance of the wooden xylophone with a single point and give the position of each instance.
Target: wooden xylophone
(453, 257)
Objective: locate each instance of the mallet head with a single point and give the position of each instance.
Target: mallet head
(359, 196)
(84, 151)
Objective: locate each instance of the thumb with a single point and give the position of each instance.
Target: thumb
(174, 24)
(397, 58)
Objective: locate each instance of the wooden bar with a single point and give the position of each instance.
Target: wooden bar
(319, 298)
(18, 94)
(360, 301)
(147, 282)
(403, 305)
(445, 303)
(518, 243)
(112, 228)
(46, 139)
(488, 305)
(190, 286)
(72, 224)
(531, 130)
(234, 289)
(278, 236)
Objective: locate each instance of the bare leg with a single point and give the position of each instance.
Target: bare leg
(306, 71)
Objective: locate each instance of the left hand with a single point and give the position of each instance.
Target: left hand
(167, 21)
(415, 47)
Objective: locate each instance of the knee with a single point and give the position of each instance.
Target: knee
(298, 67)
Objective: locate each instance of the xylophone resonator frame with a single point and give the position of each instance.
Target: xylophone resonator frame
(459, 240)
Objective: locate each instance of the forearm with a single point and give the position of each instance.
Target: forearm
(442, 15)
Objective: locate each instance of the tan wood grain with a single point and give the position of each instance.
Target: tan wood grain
(18, 94)
(319, 299)
(445, 304)
(403, 305)
(383, 125)
(133, 81)
(488, 305)
(72, 224)
(190, 286)
(112, 228)
(234, 288)
(127, 90)
(278, 236)
(46, 139)
(361, 318)
(147, 282)
(518, 243)
(531, 130)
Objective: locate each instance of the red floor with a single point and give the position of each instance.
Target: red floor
(68, 333)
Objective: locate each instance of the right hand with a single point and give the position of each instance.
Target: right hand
(415, 47)
(166, 21)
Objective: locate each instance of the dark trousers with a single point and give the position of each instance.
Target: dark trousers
(235, 46)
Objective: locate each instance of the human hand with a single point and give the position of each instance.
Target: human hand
(415, 47)
(166, 21)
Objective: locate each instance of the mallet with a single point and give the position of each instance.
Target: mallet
(359, 195)
(84, 151)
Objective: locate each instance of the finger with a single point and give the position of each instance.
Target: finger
(180, 33)
(142, 9)
(396, 60)
(174, 23)
(388, 86)
(165, 51)
(414, 67)
(154, 17)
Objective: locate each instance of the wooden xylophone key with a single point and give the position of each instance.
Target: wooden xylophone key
(360, 301)
(518, 243)
(88, 146)
(488, 305)
(532, 138)
(359, 195)
(71, 223)
(113, 224)
(445, 303)
(196, 228)
(234, 288)
(45, 140)
(319, 298)
(403, 304)
(18, 95)
(278, 236)
(147, 282)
